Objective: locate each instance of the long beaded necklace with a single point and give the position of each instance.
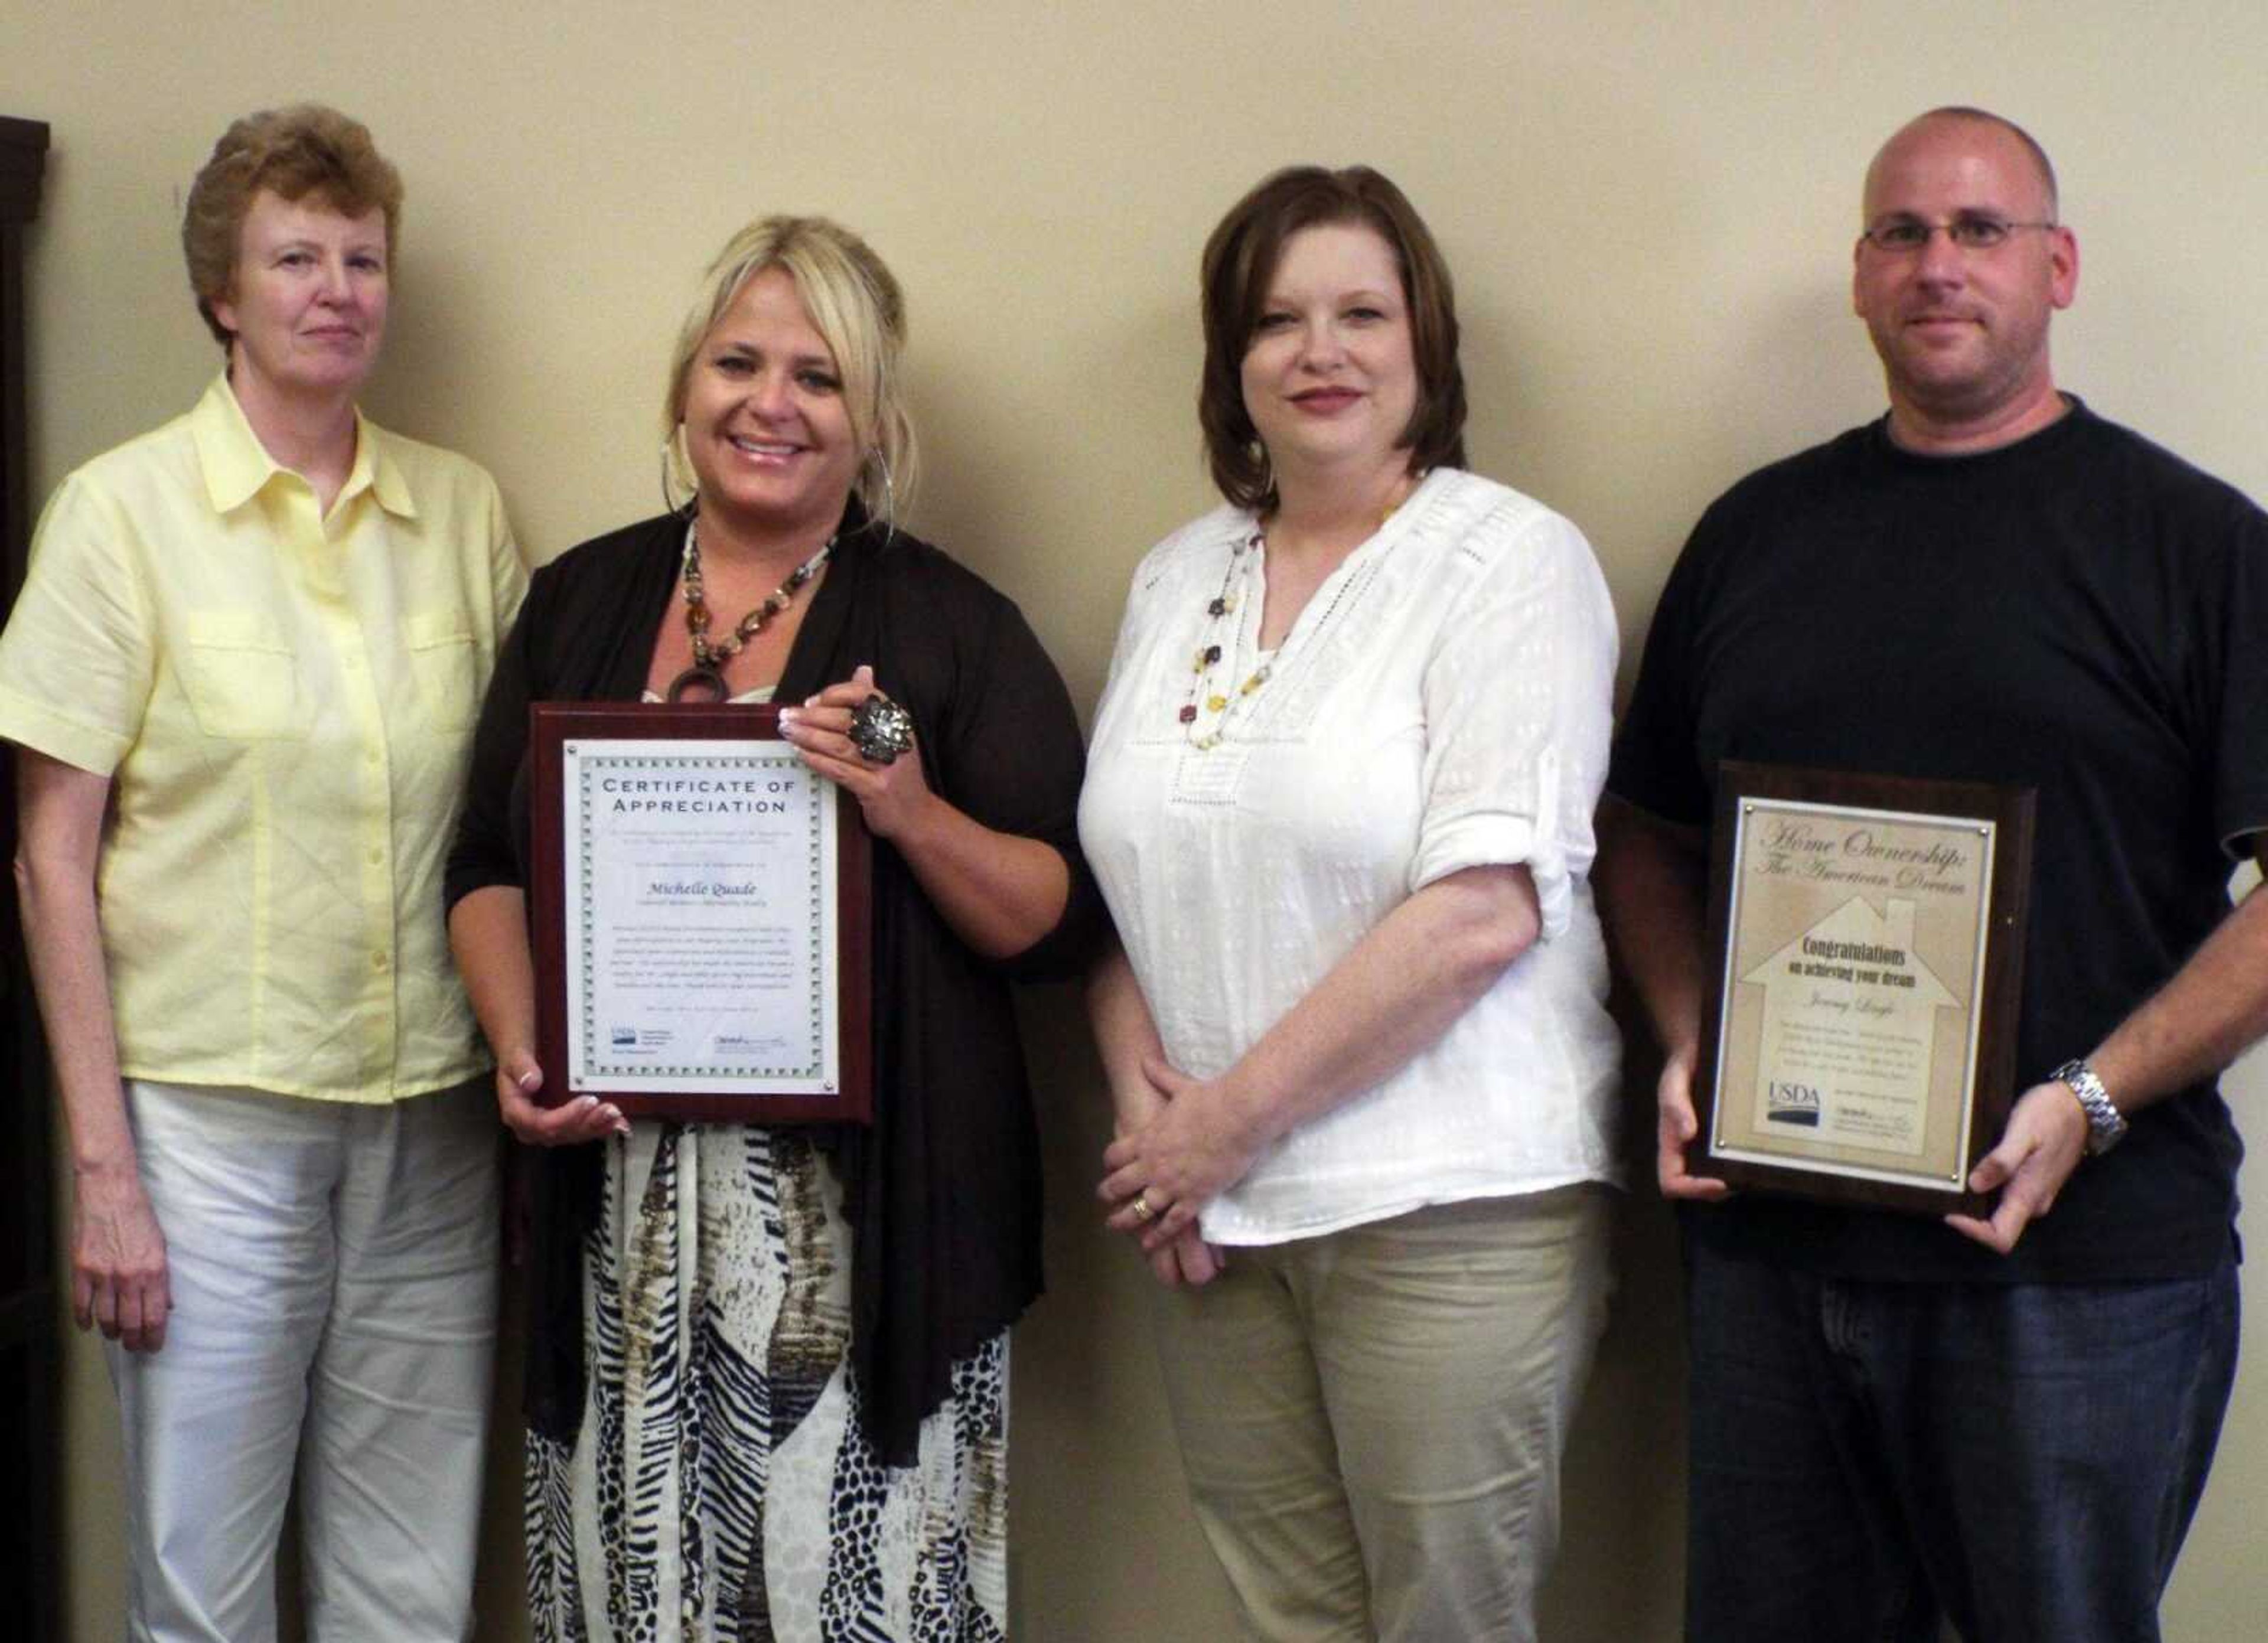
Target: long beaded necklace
(709, 660)
(1218, 703)
(1242, 553)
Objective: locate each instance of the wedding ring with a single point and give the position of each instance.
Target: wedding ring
(1142, 1210)
(880, 730)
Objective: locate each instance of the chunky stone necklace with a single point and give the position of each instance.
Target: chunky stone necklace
(707, 672)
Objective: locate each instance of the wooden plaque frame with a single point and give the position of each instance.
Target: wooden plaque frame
(2003, 818)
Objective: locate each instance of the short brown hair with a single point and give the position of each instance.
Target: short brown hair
(1240, 264)
(855, 305)
(296, 152)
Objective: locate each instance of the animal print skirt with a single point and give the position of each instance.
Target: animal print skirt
(722, 1486)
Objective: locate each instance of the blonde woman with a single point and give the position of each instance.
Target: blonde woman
(769, 1392)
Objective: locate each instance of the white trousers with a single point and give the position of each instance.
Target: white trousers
(334, 1280)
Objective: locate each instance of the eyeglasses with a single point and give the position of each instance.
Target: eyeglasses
(1906, 236)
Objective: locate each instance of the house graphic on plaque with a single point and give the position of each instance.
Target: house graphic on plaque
(1849, 1023)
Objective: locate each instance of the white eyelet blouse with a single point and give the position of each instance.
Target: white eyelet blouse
(1443, 701)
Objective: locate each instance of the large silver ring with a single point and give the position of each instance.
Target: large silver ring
(881, 730)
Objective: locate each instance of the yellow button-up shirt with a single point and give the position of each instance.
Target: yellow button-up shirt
(284, 704)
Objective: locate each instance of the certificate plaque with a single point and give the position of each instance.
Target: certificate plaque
(699, 916)
(1857, 1040)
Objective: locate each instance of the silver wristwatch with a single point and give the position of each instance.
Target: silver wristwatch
(2105, 1124)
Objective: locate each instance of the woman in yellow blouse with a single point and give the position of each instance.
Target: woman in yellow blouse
(241, 680)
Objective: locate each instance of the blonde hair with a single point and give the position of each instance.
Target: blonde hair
(855, 305)
(305, 150)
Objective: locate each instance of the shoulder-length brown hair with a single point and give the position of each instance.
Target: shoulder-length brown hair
(1240, 264)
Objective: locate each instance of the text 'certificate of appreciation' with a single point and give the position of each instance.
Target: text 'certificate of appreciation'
(697, 921)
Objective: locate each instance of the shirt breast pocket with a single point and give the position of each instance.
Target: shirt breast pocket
(242, 677)
(445, 663)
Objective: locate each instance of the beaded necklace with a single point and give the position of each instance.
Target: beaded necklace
(1221, 704)
(709, 660)
(1242, 555)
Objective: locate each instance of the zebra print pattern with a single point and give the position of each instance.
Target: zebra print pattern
(722, 1486)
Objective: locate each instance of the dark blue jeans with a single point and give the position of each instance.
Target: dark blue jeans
(1868, 1458)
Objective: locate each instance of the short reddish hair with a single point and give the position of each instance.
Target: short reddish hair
(306, 150)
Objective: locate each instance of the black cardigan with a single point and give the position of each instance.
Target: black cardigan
(943, 1191)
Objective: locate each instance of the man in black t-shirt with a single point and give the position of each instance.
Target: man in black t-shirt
(2007, 1421)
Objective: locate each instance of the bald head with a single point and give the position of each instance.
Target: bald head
(1960, 268)
(1985, 122)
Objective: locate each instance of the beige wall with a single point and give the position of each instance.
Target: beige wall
(1648, 209)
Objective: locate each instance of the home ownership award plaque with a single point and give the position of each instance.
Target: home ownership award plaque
(1859, 1034)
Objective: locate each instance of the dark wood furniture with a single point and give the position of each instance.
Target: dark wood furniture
(30, 1437)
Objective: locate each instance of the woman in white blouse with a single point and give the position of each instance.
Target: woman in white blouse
(1340, 802)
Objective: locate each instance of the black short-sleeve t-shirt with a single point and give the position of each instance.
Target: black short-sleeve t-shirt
(2081, 613)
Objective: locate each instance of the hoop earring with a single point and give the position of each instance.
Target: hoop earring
(889, 493)
(1265, 467)
(669, 502)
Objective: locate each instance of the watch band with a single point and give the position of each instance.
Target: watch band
(2105, 1124)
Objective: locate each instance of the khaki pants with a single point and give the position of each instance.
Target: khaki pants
(1372, 1421)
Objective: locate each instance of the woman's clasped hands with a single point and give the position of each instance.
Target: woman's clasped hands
(1194, 1144)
